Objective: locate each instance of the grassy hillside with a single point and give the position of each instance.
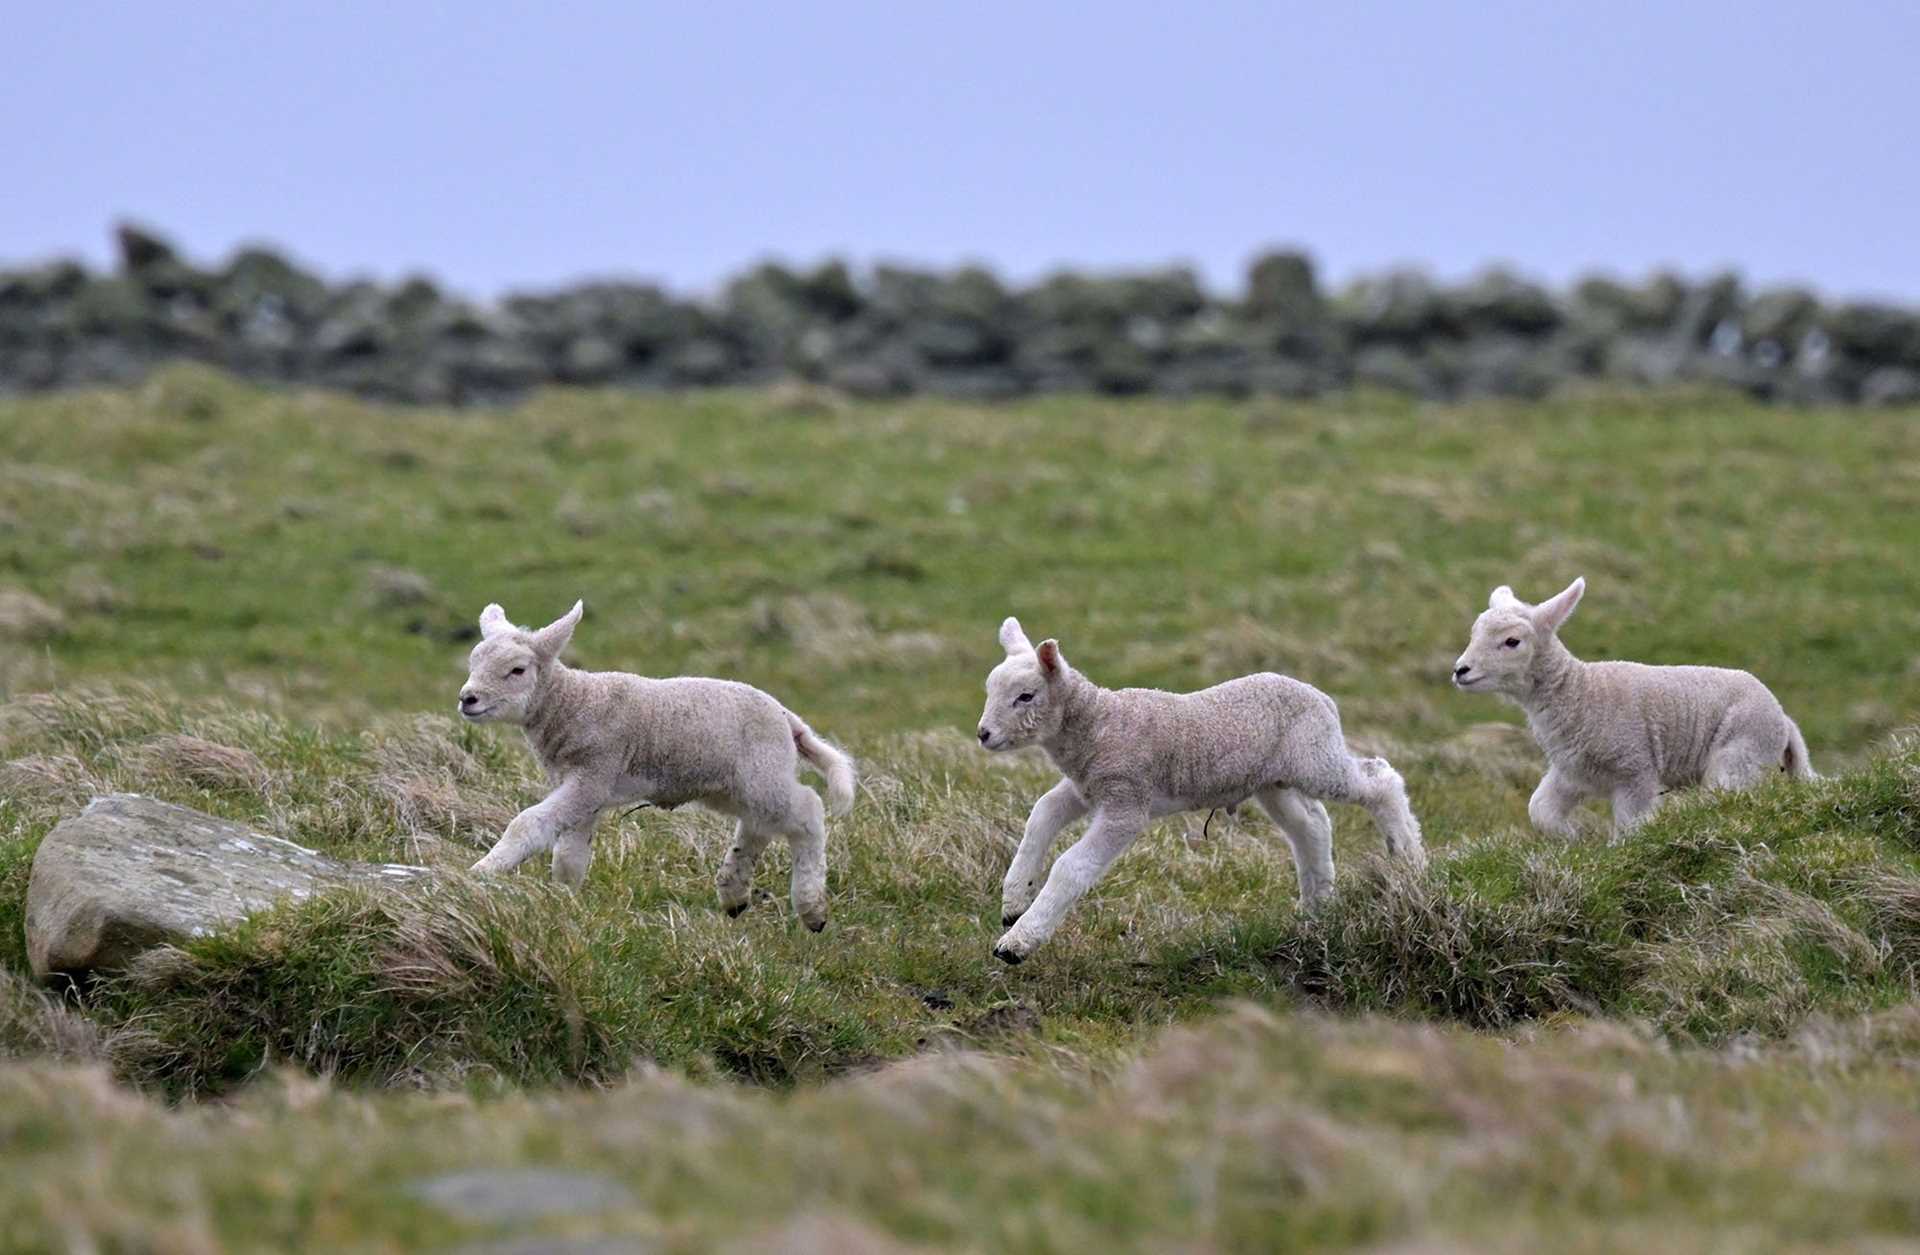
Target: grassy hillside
(259, 605)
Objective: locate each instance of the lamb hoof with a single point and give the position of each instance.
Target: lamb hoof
(735, 912)
(815, 925)
(1008, 955)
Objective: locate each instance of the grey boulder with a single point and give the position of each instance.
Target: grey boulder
(129, 873)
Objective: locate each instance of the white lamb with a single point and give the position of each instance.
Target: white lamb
(1133, 755)
(1623, 731)
(608, 739)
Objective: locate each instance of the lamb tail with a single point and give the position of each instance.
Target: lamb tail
(1795, 761)
(836, 766)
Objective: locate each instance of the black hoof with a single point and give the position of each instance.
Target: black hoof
(1007, 956)
(814, 928)
(734, 912)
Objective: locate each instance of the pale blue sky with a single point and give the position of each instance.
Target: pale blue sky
(496, 145)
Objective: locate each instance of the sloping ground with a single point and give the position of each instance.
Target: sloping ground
(1726, 917)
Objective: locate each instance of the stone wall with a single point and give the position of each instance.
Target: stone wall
(892, 331)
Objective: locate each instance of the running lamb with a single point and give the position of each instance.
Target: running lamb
(607, 739)
(1133, 755)
(1623, 731)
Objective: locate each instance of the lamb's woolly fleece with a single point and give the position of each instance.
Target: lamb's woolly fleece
(1132, 755)
(1623, 731)
(607, 739)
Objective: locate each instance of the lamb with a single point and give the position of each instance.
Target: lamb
(607, 739)
(1623, 731)
(1130, 756)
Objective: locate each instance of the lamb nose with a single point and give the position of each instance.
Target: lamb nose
(1460, 671)
(468, 699)
(984, 735)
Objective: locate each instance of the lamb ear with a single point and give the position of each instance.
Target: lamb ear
(551, 639)
(1051, 663)
(1550, 614)
(1013, 639)
(1502, 596)
(493, 621)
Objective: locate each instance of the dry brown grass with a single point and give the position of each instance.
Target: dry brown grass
(835, 633)
(58, 778)
(438, 788)
(27, 618)
(37, 1025)
(801, 398)
(1255, 1131)
(392, 588)
(203, 763)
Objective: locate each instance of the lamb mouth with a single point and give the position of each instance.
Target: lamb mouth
(477, 715)
(1469, 682)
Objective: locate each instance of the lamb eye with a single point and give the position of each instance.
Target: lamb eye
(518, 671)
(1513, 642)
(1023, 699)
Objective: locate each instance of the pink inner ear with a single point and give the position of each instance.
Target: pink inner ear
(1559, 609)
(1049, 654)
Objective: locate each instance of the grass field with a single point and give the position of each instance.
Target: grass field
(259, 604)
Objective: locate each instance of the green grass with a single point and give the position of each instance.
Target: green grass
(1724, 917)
(857, 560)
(254, 604)
(1253, 1132)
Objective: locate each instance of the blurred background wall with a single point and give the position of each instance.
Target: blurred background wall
(983, 200)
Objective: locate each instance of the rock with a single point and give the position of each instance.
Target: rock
(1645, 360)
(1402, 307)
(1291, 380)
(702, 362)
(1281, 286)
(590, 359)
(1122, 369)
(1506, 366)
(141, 249)
(1396, 370)
(1875, 333)
(129, 873)
(502, 1194)
(830, 291)
(490, 371)
(1780, 315)
(955, 342)
(1891, 385)
(1714, 305)
(350, 333)
(256, 275)
(766, 309)
(887, 372)
(1499, 301)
